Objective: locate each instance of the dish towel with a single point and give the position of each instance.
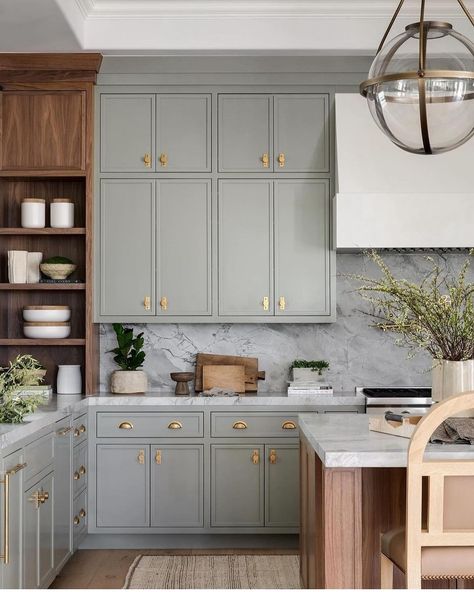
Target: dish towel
(455, 430)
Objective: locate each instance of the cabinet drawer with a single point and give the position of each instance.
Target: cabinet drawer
(254, 425)
(38, 455)
(79, 519)
(79, 468)
(79, 430)
(149, 425)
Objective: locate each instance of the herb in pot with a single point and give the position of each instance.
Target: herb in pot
(314, 365)
(22, 371)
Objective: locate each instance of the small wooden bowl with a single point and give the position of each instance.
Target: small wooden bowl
(182, 379)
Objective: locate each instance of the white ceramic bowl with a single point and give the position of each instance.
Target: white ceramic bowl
(47, 314)
(47, 330)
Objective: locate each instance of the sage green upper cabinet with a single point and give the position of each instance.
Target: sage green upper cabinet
(127, 134)
(127, 250)
(301, 133)
(183, 133)
(245, 133)
(302, 260)
(245, 247)
(184, 247)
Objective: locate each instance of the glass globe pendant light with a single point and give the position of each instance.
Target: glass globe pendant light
(420, 89)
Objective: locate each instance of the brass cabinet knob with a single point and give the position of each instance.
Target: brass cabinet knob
(266, 303)
(63, 432)
(163, 159)
(82, 429)
(265, 160)
(82, 470)
(147, 303)
(164, 303)
(141, 457)
(45, 496)
(240, 425)
(158, 457)
(82, 513)
(256, 457)
(288, 425)
(126, 425)
(147, 160)
(282, 303)
(76, 476)
(175, 425)
(281, 160)
(76, 521)
(76, 433)
(35, 499)
(273, 457)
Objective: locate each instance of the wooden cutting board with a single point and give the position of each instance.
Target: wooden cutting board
(252, 375)
(225, 377)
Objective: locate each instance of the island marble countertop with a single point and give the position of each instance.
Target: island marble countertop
(62, 405)
(343, 440)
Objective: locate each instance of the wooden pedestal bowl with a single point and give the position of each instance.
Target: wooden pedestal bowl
(182, 379)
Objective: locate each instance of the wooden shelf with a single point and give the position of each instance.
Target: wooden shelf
(33, 287)
(39, 173)
(26, 342)
(42, 231)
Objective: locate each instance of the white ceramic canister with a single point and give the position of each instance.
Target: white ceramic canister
(33, 213)
(62, 213)
(69, 380)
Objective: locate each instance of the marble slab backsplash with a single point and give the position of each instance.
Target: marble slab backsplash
(358, 354)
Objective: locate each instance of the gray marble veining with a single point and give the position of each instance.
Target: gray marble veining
(358, 353)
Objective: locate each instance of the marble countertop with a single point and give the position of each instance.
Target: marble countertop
(343, 440)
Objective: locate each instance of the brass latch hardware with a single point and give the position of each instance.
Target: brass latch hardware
(175, 425)
(126, 425)
(273, 456)
(158, 457)
(82, 470)
(82, 513)
(82, 429)
(281, 160)
(64, 431)
(147, 303)
(76, 520)
(164, 303)
(288, 425)
(141, 457)
(76, 476)
(163, 159)
(266, 303)
(256, 457)
(76, 433)
(265, 161)
(240, 425)
(282, 303)
(147, 160)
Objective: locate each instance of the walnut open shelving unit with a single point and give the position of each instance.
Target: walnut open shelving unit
(46, 123)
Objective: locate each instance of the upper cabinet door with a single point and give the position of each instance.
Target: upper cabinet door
(183, 133)
(42, 131)
(127, 251)
(184, 247)
(302, 250)
(301, 133)
(245, 133)
(127, 133)
(245, 248)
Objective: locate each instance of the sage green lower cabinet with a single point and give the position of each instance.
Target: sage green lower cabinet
(62, 493)
(184, 247)
(127, 247)
(237, 485)
(282, 485)
(123, 483)
(245, 248)
(302, 261)
(177, 486)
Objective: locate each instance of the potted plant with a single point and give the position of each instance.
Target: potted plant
(22, 371)
(436, 315)
(129, 357)
(304, 370)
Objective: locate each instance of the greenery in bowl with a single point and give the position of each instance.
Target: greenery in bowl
(315, 365)
(128, 353)
(22, 371)
(436, 315)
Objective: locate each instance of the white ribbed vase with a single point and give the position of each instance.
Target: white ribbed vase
(451, 378)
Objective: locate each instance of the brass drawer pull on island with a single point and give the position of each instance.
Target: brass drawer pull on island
(141, 457)
(76, 476)
(266, 303)
(126, 425)
(163, 159)
(64, 431)
(6, 511)
(256, 457)
(158, 457)
(164, 303)
(82, 429)
(147, 160)
(82, 513)
(282, 303)
(82, 470)
(288, 425)
(147, 303)
(240, 425)
(273, 457)
(265, 160)
(76, 520)
(175, 425)
(281, 160)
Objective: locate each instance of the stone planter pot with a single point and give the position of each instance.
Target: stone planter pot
(451, 378)
(306, 375)
(128, 381)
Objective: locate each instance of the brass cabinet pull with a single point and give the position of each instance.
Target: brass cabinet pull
(76, 476)
(82, 429)
(282, 303)
(35, 499)
(82, 513)
(76, 433)
(240, 425)
(5, 556)
(147, 160)
(164, 303)
(163, 159)
(64, 431)
(175, 425)
(265, 160)
(266, 303)
(147, 303)
(82, 470)
(76, 520)
(288, 425)
(141, 457)
(126, 425)
(281, 160)
(44, 496)
(256, 457)
(158, 457)
(273, 456)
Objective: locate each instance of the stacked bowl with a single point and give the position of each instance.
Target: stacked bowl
(47, 322)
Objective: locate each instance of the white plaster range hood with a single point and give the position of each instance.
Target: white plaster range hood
(387, 198)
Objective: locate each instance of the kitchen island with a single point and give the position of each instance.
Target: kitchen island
(352, 490)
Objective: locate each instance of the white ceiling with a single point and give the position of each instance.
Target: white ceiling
(135, 27)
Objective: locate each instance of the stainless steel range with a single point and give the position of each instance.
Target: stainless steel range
(413, 400)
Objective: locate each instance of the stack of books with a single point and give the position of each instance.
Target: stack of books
(42, 390)
(300, 387)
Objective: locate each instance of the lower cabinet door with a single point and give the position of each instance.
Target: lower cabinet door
(46, 532)
(62, 493)
(282, 485)
(237, 485)
(177, 486)
(123, 483)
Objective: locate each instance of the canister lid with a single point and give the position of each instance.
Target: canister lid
(62, 200)
(32, 200)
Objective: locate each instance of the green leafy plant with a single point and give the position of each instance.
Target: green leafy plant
(128, 354)
(315, 365)
(436, 315)
(22, 371)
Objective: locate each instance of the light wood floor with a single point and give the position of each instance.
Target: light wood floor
(101, 568)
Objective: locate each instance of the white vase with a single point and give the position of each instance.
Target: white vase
(451, 378)
(69, 380)
(128, 382)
